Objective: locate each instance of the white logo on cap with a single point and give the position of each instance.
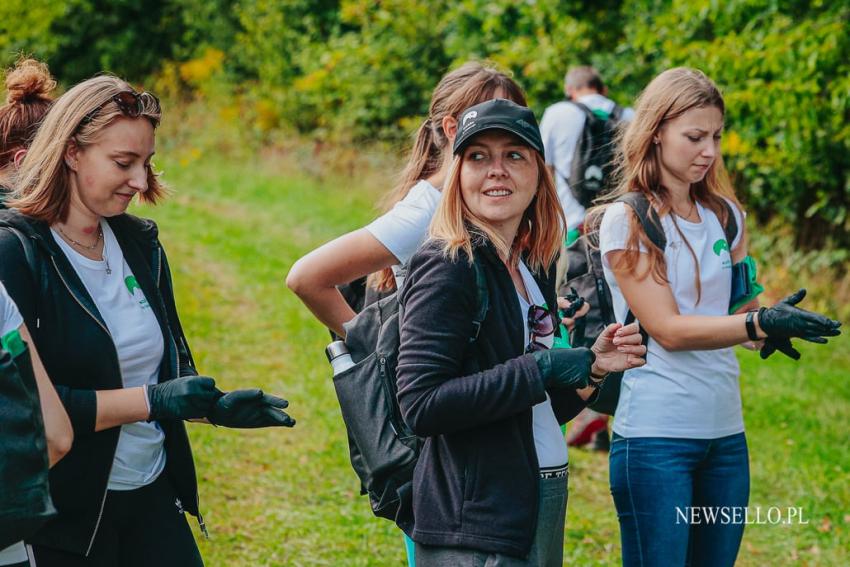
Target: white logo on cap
(468, 116)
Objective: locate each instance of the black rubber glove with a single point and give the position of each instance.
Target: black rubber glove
(784, 320)
(250, 409)
(782, 345)
(564, 367)
(187, 397)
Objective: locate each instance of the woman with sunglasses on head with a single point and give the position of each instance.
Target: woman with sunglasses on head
(490, 483)
(94, 288)
(679, 438)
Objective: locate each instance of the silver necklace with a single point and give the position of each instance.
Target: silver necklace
(105, 255)
(92, 247)
(690, 211)
(80, 244)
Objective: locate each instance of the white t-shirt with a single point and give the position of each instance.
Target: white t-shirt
(549, 441)
(684, 394)
(140, 455)
(560, 128)
(404, 228)
(10, 319)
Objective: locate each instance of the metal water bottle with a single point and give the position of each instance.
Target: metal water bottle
(338, 356)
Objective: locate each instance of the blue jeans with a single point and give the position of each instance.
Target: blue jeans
(658, 484)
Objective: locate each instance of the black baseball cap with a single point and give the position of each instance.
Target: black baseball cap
(498, 114)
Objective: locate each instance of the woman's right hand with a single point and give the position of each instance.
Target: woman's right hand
(187, 397)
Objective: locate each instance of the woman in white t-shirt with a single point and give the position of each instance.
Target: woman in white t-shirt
(679, 439)
(94, 286)
(57, 426)
(384, 247)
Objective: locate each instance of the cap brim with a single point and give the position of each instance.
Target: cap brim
(463, 142)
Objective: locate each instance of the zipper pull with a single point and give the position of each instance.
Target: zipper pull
(203, 526)
(179, 505)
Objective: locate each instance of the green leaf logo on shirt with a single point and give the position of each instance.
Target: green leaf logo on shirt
(133, 285)
(721, 245)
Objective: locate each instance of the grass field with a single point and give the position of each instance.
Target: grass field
(289, 497)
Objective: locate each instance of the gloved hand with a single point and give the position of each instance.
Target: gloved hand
(564, 367)
(187, 397)
(249, 409)
(784, 320)
(783, 343)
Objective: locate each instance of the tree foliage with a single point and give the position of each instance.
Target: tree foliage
(356, 70)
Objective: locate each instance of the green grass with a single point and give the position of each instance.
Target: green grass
(289, 497)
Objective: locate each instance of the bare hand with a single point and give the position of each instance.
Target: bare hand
(618, 348)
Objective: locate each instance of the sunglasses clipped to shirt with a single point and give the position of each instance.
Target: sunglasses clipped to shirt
(130, 103)
(541, 323)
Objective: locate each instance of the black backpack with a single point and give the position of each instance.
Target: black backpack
(383, 450)
(593, 159)
(584, 273)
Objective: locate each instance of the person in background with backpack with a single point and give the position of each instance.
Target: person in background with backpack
(490, 484)
(678, 437)
(94, 288)
(579, 138)
(578, 135)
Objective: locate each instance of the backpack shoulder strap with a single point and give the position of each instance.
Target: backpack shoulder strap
(27, 245)
(647, 216)
(616, 113)
(584, 108)
(730, 229)
(483, 297)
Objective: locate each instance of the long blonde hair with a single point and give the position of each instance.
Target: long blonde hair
(42, 190)
(471, 83)
(668, 96)
(540, 233)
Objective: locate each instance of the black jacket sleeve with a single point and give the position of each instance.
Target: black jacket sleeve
(438, 305)
(187, 363)
(18, 279)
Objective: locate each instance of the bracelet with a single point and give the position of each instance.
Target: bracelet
(751, 326)
(596, 380)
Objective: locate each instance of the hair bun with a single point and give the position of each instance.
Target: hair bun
(30, 80)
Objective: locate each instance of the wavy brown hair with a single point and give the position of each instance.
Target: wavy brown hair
(43, 189)
(466, 86)
(28, 97)
(540, 233)
(668, 96)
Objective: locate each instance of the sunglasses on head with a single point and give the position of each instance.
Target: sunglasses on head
(541, 323)
(130, 103)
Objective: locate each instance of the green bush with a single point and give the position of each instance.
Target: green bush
(360, 71)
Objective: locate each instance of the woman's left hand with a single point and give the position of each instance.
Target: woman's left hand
(618, 348)
(248, 409)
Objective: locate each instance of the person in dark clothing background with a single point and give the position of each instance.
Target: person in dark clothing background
(490, 483)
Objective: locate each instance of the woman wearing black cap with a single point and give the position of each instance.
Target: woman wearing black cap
(490, 484)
